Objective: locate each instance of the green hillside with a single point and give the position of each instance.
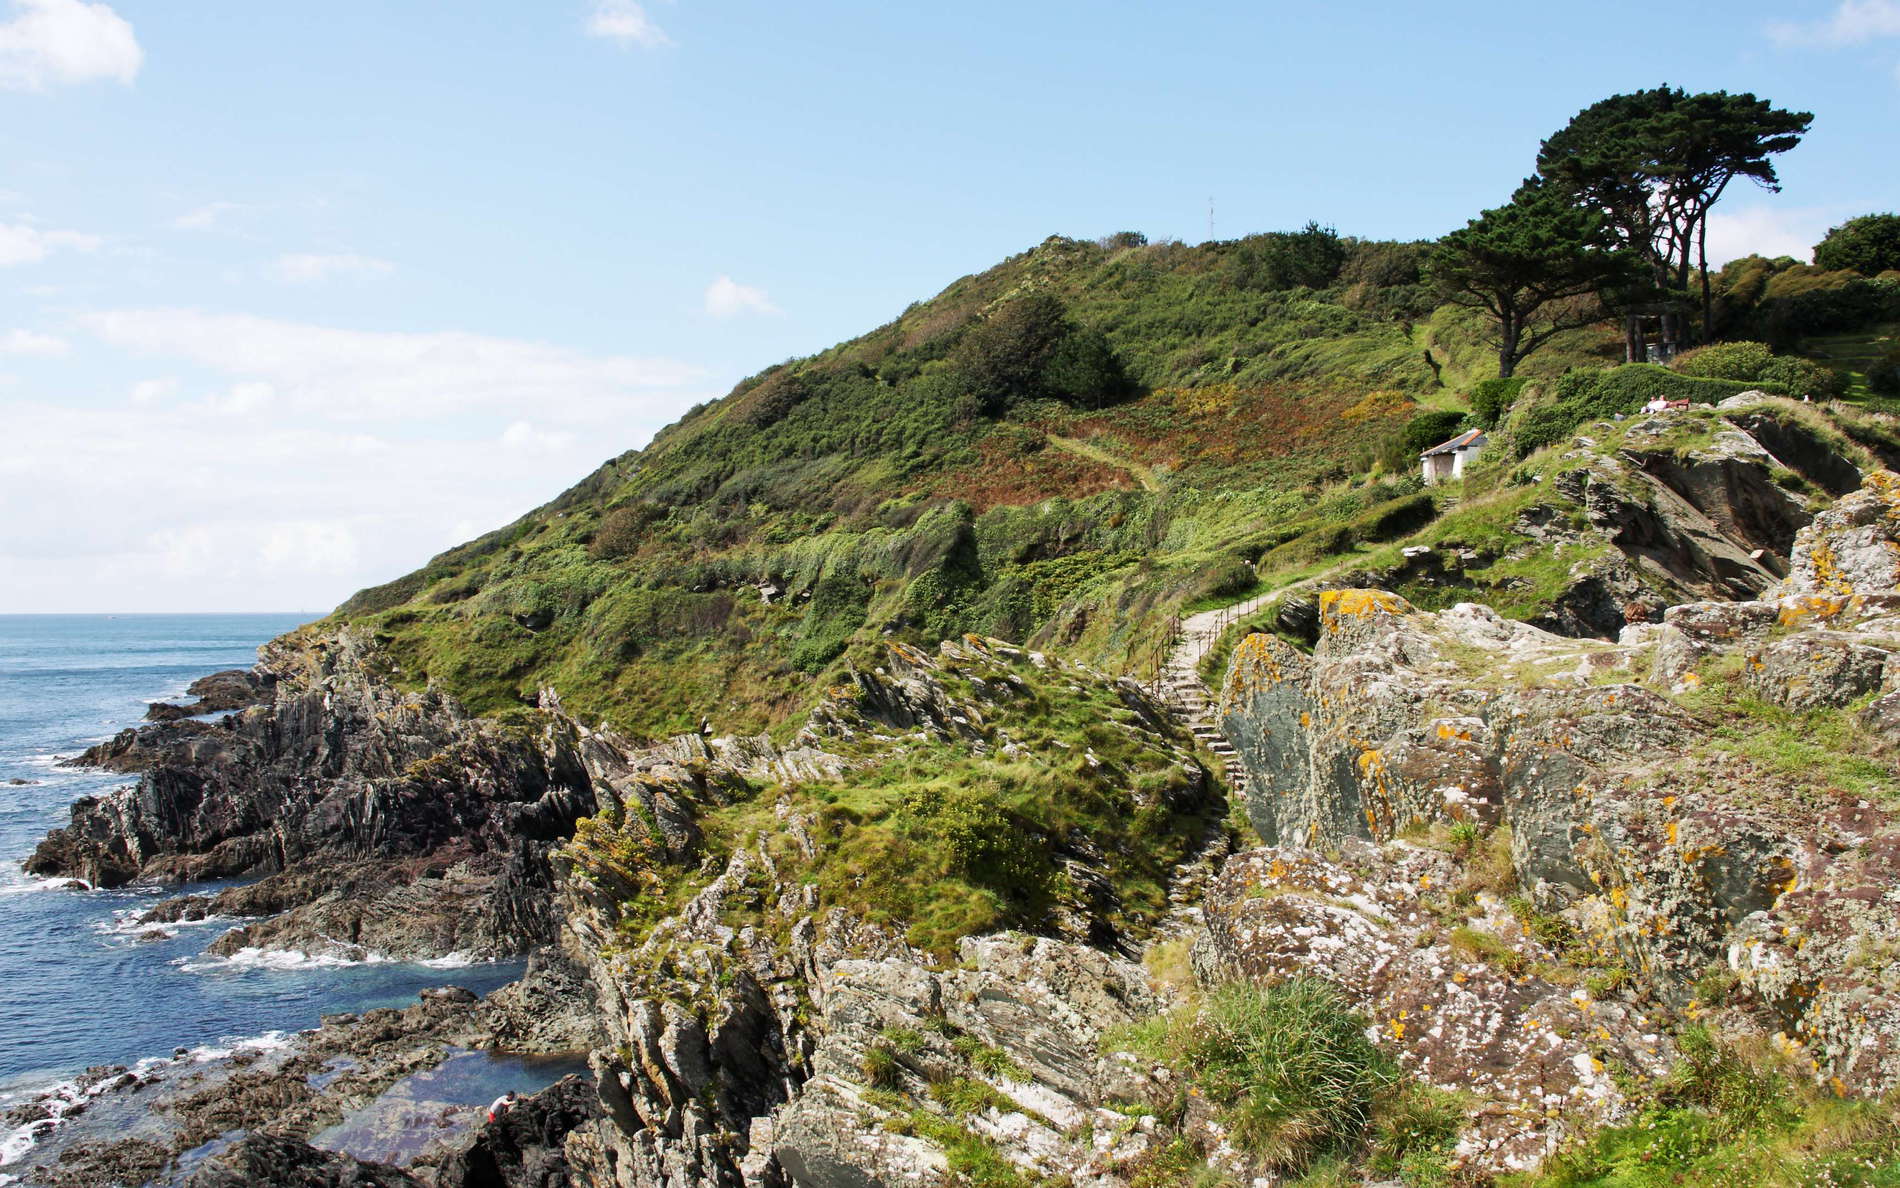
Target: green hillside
(1065, 450)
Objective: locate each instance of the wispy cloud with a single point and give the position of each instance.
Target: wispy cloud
(626, 22)
(207, 216)
(304, 267)
(390, 376)
(50, 43)
(27, 342)
(1854, 22)
(726, 298)
(24, 243)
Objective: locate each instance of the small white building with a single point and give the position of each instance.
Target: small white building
(1448, 460)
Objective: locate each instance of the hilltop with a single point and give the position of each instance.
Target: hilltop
(1066, 449)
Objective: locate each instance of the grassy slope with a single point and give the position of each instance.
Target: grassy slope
(880, 500)
(873, 492)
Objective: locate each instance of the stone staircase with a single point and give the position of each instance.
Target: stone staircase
(1188, 696)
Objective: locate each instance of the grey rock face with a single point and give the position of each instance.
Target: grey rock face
(1673, 854)
(387, 822)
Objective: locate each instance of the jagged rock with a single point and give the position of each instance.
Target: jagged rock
(1654, 845)
(1377, 923)
(220, 692)
(1039, 1006)
(338, 769)
(526, 1146)
(1854, 546)
(1820, 669)
(268, 1159)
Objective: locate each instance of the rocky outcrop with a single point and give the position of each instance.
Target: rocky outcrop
(1644, 805)
(760, 1035)
(527, 1146)
(392, 822)
(1456, 991)
(267, 1159)
(221, 692)
(1646, 513)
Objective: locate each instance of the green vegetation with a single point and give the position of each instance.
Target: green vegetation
(941, 839)
(1536, 266)
(1733, 1117)
(1869, 245)
(1806, 751)
(1298, 1085)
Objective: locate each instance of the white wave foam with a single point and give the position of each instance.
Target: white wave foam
(452, 961)
(67, 1098)
(270, 1041)
(129, 922)
(24, 883)
(252, 957)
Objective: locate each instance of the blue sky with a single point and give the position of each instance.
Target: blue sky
(294, 295)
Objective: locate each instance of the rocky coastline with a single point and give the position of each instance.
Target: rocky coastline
(1522, 858)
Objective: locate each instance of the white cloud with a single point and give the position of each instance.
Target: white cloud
(23, 243)
(27, 342)
(1767, 231)
(303, 267)
(524, 437)
(626, 22)
(1854, 22)
(381, 375)
(727, 298)
(275, 465)
(51, 42)
(310, 546)
(152, 391)
(207, 216)
(160, 507)
(243, 399)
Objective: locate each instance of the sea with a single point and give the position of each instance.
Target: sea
(78, 987)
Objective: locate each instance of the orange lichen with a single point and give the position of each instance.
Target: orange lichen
(1333, 604)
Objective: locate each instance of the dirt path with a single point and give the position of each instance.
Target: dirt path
(1095, 453)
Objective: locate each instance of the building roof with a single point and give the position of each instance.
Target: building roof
(1470, 437)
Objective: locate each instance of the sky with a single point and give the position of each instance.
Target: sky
(294, 296)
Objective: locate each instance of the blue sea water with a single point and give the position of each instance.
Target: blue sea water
(76, 988)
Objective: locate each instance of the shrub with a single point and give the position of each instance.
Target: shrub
(1726, 360)
(1427, 429)
(622, 529)
(1028, 348)
(838, 605)
(1883, 375)
(1310, 257)
(1492, 398)
(1289, 1066)
(1804, 377)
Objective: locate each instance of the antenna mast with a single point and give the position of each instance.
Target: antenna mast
(1210, 216)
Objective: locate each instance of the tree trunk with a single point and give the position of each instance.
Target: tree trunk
(1701, 259)
(1510, 334)
(1634, 351)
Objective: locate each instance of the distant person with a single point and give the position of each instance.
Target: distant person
(501, 1105)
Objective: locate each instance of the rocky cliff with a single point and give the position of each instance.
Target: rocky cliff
(1706, 806)
(376, 821)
